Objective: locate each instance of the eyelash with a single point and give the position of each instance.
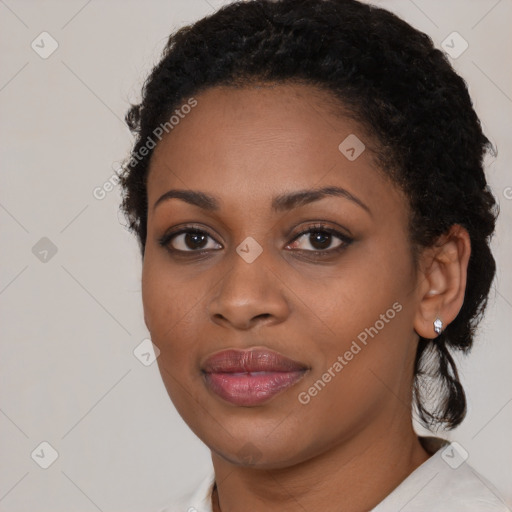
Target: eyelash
(322, 228)
(165, 240)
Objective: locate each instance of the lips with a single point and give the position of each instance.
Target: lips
(250, 377)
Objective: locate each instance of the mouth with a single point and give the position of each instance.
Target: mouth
(250, 377)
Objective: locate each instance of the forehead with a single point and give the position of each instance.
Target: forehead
(253, 142)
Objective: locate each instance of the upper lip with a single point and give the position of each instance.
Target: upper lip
(253, 360)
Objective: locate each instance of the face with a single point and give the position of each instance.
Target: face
(278, 281)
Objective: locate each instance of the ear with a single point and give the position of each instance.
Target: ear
(442, 280)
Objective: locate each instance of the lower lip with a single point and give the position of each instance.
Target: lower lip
(249, 389)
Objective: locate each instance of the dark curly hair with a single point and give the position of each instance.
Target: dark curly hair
(389, 77)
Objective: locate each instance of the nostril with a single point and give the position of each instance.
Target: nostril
(263, 316)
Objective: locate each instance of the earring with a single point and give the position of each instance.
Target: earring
(438, 326)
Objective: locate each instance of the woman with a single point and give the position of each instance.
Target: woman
(308, 193)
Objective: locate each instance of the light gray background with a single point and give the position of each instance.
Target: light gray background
(70, 324)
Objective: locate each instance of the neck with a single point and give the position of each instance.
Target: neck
(352, 476)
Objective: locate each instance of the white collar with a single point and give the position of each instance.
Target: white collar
(443, 483)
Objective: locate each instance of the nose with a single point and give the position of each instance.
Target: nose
(249, 294)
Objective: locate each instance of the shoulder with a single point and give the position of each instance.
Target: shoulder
(444, 483)
(199, 500)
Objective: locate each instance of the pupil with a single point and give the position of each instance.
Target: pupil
(320, 240)
(195, 240)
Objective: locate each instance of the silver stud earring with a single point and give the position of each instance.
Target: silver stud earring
(438, 326)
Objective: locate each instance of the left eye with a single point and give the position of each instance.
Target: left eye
(319, 240)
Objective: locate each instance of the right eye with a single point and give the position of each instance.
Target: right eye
(189, 240)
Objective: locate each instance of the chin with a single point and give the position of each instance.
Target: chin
(262, 448)
(250, 456)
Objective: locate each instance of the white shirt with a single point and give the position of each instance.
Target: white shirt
(443, 483)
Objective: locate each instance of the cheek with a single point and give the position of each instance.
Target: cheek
(364, 364)
(171, 304)
(361, 316)
(351, 297)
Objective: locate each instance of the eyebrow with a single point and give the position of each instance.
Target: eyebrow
(283, 202)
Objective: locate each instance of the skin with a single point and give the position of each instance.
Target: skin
(353, 443)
